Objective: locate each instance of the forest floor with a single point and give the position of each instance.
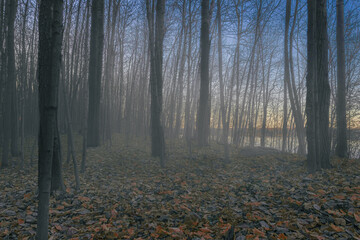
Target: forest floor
(261, 194)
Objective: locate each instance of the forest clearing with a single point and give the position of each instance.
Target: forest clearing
(262, 194)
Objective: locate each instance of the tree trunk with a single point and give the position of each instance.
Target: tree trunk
(57, 181)
(291, 87)
(95, 69)
(11, 76)
(179, 118)
(318, 89)
(23, 79)
(188, 88)
(203, 123)
(49, 59)
(9, 103)
(156, 37)
(86, 92)
(2, 69)
(221, 81)
(310, 86)
(266, 96)
(323, 83)
(341, 140)
(70, 138)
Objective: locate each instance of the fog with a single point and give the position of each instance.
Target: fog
(163, 119)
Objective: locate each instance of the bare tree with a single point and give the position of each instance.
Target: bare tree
(156, 38)
(225, 122)
(11, 76)
(85, 91)
(289, 73)
(49, 60)
(95, 69)
(341, 140)
(10, 110)
(179, 95)
(318, 89)
(203, 123)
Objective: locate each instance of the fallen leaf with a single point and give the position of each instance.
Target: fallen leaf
(336, 228)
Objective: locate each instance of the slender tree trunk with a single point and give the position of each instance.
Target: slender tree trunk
(266, 97)
(203, 123)
(341, 140)
(95, 69)
(310, 85)
(70, 138)
(10, 49)
(156, 37)
(221, 81)
(285, 120)
(173, 87)
(179, 118)
(188, 91)
(238, 83)
(323, 83)
(49, 59)
(57, 181)
(289, 69)
(9, 107)
(86, 92)
(242, 123)
(23, 73)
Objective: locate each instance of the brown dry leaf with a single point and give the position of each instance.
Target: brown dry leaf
(336, 228)
(258, 232)
(357, 217)
(21, 221)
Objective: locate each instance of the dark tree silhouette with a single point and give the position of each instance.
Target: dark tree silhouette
(10, 111)
(156, 38)
(49, 60)
(318, 89)
(95, 69)
(341, 141)
(11, 76)
(289, 74)
(203, 123)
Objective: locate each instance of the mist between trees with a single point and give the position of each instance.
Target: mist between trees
(248, 93)
(278, 74)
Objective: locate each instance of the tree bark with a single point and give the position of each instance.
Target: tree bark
(310, 86)
(266, 97)
(221, 82)
(9, 103)
(49, 59)
(86, 92)
(341, 140)
(291, 87)
(156, 37)
(318, 89)
(70, 138)
(57, 180)
(188, 88)
(179, 118)
(323, 83)
(286, 75)
(95, 69)
(11, 76)
(203, 123)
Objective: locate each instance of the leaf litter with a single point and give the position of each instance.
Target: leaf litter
(261, 194)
